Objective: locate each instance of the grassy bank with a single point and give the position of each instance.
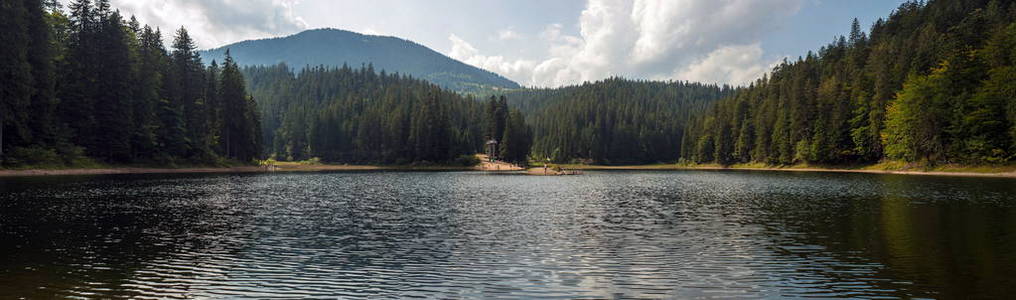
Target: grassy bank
(880, 168)
(233, 167)
(891, 167)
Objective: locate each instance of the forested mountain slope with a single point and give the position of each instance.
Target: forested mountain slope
(933, 83)
(359, 116)
(335, 48)
(615, 120)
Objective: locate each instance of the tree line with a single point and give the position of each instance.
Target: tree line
(934, 83)
(614, 121)
(507, 127)
(89, 84)
(359, 115)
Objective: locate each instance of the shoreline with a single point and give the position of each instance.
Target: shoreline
(290, 167)
(224, 170)
(674, 167)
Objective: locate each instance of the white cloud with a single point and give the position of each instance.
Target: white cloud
(653, 39)
(213, 23)
(552, 32)
(508, 35)
(731, 64)
(465, 52)
(702, 40)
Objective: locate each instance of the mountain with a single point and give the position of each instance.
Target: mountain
(334, 47)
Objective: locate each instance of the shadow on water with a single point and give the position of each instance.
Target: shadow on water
(466, 234)
(929, 237)
(94, 235)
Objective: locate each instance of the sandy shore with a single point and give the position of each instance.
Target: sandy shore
(540, 171)
(486, 165)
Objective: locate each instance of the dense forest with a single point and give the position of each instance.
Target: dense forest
(614, 121)
(934, 83)
(89, 84)
(347, 115)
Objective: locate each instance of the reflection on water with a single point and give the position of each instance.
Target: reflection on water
(603, 235)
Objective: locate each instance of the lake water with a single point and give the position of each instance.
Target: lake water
(681, 234)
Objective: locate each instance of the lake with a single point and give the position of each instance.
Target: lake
(621, 234)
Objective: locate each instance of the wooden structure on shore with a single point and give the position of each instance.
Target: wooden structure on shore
(491, 149)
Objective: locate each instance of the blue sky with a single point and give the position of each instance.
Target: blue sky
(820, 21)
(549, 43)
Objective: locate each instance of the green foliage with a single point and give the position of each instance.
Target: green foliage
(913, 128)
(186, 78)
(466, 160)
(93, 84)
(802, 152)
(33, 156)
(15, 76)
(705, 148)
(615, 121)
(347, 115)
(112, 95)
(241, 125)
(517, 139)
(933, 82)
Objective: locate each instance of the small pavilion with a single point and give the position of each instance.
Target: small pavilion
(491, 149)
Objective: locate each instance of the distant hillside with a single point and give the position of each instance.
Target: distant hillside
(333, 47)
(347, 115)
(614, 121)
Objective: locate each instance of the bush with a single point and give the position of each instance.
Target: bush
(423, 163)
(163, 159)
(34, 157)
(466, 160)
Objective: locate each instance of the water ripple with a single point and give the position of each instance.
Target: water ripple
(475, 235)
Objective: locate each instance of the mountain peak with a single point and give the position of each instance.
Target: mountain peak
(335, 47)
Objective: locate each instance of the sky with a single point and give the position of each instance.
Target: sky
(548, 43)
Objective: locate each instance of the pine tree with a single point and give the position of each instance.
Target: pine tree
(77, 91)
(151, 61)
(238, 132)
(491, 120)
(930, 83)
(16, 75)
(214, 107)
(40, 57)
(116, 99)
(356, 116)
(188, 91)
(430, 131)
(517, 140)
(112, 98)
